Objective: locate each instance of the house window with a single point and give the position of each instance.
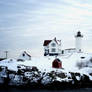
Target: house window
(53, 50)
(46, 50)
(53, 44)
(62, 51)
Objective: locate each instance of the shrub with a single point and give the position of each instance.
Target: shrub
(80, 65)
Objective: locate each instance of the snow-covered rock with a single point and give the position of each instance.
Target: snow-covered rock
(76, 69)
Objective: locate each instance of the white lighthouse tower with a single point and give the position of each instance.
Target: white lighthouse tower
(78, 42)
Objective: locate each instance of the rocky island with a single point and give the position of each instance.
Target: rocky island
(24, 75)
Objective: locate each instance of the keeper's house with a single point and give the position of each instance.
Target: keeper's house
(52, 47)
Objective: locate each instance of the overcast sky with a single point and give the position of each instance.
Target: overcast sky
(25, 24)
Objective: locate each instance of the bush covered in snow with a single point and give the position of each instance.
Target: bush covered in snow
(83, 64)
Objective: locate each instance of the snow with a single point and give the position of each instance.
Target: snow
(44, 64)
(70, 63)
(78, 78)
(65, 79)
(10, 63)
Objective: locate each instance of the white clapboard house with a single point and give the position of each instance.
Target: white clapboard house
(52, 47)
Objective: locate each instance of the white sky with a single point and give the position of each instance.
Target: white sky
(25, 24)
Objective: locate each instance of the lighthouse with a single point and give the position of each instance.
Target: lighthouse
(78, 42)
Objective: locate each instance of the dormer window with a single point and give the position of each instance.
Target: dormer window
(53, 44)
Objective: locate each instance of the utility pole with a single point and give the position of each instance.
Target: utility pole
(6, 54)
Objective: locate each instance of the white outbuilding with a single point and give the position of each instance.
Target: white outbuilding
(24, 56)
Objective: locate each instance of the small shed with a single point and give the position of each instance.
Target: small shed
(57, 63)
(24, 56)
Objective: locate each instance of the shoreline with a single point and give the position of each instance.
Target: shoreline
(51, 86)
(31, 78)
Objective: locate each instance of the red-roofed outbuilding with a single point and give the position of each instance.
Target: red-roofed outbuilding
(57, 63)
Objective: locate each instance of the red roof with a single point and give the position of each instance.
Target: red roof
(57, 63)
(57, 60)
(46, 42)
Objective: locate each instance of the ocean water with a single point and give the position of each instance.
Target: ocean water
(22, 90)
